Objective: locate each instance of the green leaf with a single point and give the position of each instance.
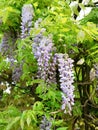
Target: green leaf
(28, 120)
(38, 106)
(41, 89)
(94, 48)
(10, 125)
(62, 128)
(81, 61)
(37, 81)
(80, 36)
(22, 123)
(7, 12)
(82, 6)
(34, 117)
(22, 120)
(51, 95)
(75, 49)
(35, 4)
(58, 123)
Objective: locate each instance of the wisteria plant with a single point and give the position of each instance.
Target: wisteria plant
(48, 66)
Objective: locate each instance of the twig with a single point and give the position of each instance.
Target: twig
(84, 83)
(56, 111)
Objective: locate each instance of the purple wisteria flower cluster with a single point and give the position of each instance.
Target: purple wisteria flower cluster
(7, 48)
(65, 67)
(42, 48)
(49, 62)
(7, 45)
(43, 55)
(16, 74)
(45, 124)
(4, 48)
(27, 16)
(26, 26)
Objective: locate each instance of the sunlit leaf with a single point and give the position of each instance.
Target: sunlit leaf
(81, 61)
(92, 74)
(22, 120)
(80, 36)
(62, 128)
(10, 125)
(28, 120)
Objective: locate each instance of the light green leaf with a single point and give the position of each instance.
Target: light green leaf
(62, 128)
(75, 49)
(33, 116)
(22, 120)
(58, 123)
(10, 125)
(80, 36)
(81, 61)
(82, 6)
(37, 81)
(35, 4)
(22, 123)
(38, 106)
(28, 120)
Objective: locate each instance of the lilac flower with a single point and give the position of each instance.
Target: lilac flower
(7, 45)
(42, 48)
(10, 60)
(16, 74)
(4, 48)
(37, 23)
(65, 65)
(52, 69)
(45, 124)
(27, 16)
(43, 55)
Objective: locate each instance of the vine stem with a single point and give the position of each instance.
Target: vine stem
(55, 112)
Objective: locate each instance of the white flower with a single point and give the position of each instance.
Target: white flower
(7, 90)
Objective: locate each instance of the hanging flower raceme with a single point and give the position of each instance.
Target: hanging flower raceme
(43, 55)
(42, 49)
(7, 45)
(45, 124)
(65, 65)
(17, 72)
(4, 46)
(26, 26)
(27, 16)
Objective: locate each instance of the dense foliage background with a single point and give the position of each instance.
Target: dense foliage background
(48, 65)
